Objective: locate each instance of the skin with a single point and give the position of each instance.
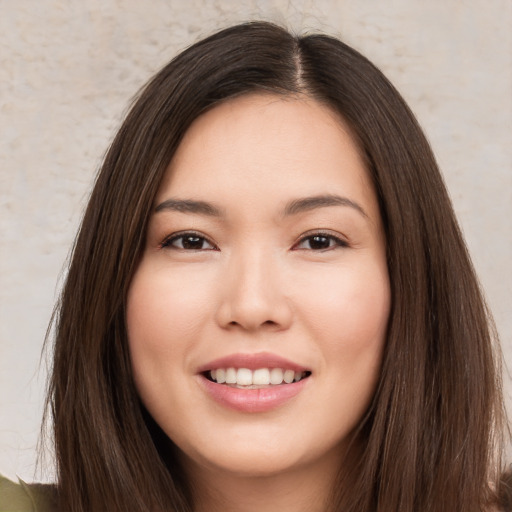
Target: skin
(257, 283)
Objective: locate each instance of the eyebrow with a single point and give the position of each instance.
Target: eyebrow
(294, 207)
(322, 201)
(189, 206)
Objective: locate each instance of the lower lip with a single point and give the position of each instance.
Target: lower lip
(252, 400)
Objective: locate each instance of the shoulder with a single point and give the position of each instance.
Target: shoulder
(23, 497)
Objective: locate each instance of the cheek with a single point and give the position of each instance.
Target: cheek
(347, 313)
(162, 326)
(348, 308)
(162, 309)
(349, 319)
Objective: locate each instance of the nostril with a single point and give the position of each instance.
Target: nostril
(269, 323)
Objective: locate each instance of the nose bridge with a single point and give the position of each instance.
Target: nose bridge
(254, 295)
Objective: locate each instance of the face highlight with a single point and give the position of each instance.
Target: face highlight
(258, 313)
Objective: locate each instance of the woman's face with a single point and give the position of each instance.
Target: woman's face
(265, 268)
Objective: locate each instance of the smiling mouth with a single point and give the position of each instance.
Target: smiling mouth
(244, 378)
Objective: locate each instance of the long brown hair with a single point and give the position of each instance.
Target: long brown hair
(431, 438)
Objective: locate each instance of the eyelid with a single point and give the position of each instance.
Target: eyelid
(166, 242)
(340, 241)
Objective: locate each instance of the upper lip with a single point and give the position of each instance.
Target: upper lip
(252, 362)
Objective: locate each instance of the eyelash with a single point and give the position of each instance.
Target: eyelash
(167, 242)
(338, 242)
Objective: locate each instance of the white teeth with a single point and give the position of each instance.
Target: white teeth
(276, 376)
(288, 376)
(244, 377)
(220, 375)
(259, 377)
(231, 376)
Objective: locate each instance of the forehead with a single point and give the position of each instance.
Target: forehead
(269, 146)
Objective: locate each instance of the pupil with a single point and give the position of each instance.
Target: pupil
(192, 242)
(319, 242)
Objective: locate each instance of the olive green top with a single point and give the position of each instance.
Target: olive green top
(23, 497)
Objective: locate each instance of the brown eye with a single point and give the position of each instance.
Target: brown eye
(320, 242)
(188, 242)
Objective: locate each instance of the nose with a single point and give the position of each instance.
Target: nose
(253, 295)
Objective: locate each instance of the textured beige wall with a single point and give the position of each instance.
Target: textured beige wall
(69, 68)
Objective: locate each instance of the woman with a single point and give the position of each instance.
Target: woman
(270, 304)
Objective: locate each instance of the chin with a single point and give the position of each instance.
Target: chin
(261, 458)
(251, 463)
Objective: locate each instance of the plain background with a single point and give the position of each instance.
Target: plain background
(68, 70)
